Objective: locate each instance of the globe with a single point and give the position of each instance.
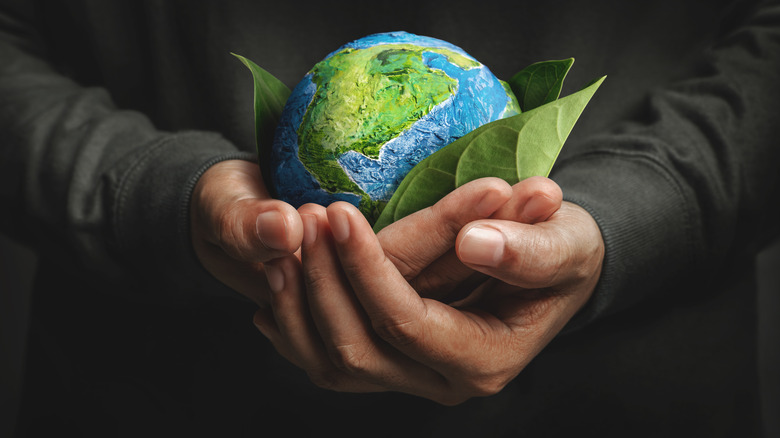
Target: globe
(361, 118)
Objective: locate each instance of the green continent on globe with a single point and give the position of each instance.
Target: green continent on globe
(364, 98)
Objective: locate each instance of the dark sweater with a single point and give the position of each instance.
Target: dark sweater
(109, 112)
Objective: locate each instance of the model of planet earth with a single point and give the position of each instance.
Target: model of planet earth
(365, 115)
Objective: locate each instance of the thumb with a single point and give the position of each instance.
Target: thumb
(417, 240)
(431, 265)
(230, 209)
(256, 230)
(566, 247)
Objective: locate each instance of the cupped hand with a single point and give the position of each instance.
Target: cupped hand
(350, 318)
(236, 227)
(422, 245)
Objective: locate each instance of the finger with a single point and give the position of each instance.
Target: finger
(475, 352)
(454, 343)
(533, 200)
(415, 241)
(565, 248)
(415, 326)
(343, 324)
(447, 279)
(263, 320)
(369, 271)
(232, 210)
(290, 328)
(291, 314)
(257, 230)
(248, 279)
(334, 308)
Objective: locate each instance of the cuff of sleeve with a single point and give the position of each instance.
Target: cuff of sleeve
(646, 221)
(151, 213)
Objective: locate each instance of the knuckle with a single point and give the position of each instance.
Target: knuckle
(429, 284)
(543, 186)
(439, 284)
(451, 222)
(352, 358)
(538, 262)
(449, 219)
(317, 279)
(452, 399)
(487, 386)
(486, 378)
(399, 333)
(467, 391)
(403, 266)
(330, 380)
(484, 385)
(229, 233)
(225, 226)
(410, 262)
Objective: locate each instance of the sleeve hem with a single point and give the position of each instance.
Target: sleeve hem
(647, 221)
(151, 217)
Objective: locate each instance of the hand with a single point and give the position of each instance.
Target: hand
(358, 326)
(236, 227)
(422, 245)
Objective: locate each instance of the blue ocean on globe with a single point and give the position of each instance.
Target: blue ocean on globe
(371, 110)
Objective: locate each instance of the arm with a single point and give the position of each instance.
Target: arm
(695, 182)
(98, 187)
(685, 189)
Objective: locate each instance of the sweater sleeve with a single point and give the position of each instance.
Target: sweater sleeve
(91, 185)
(693, 185)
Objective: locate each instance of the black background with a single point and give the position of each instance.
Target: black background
(17, 266)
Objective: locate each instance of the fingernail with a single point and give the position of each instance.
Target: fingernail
(268, 230)
(275, 277)
(482, 246)
(309, 228)
(534, 210)
(339, 225)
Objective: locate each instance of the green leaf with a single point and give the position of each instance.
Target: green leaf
(432, 184)
(491, 152)
(540, 83)
(513, 149)
(430, 180)
(270, 96)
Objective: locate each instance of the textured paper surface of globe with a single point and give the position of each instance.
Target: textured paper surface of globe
(374, 108)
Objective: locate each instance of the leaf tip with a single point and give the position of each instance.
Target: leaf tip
(243, 59)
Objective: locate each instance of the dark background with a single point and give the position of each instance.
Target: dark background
(17, 265)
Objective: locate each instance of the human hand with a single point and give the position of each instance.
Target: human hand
(236, 227)
(358, 326)
(422, 245)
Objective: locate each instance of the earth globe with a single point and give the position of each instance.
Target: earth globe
(361, 118)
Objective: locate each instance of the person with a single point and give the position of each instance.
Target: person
(624, 306)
